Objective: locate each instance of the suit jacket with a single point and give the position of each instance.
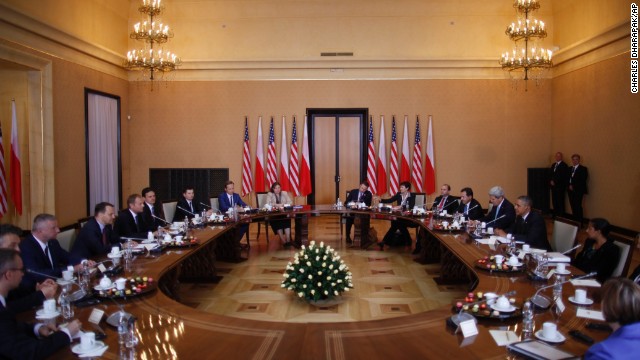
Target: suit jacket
(604, 260)
(89, 244)
(507, 210)
(180, 214)
(19, 301)
(398, 198)
(475, 208)
(450, 204)
(532, 231)
(355, 193)
(158, 211)
(224, 204)
(271, 198)
(578, 179)
(126, 225)
(560, 175)
(34, 259)
(19, 341)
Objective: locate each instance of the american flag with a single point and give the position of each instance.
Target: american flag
(247, 180)
(371, 162)
(4, 207)
(416, 174)
(393, 161)
(271, 157)
(294, 171)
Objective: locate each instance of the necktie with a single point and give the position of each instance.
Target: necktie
(190, 206)
(104, 236)
(466, 209)
(135, 218)
(497, 211)
(231, 200)
(46, 254)
(555, 167)
(359, 197)
(441, 204)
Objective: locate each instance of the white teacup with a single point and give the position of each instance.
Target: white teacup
(115, 251)
(490, 297)
(105, 282)
(461, 219)
(121, 283)
(580, 295)
(67, 275)
(167, 237)
(489, 230)
(513, 260)
(70, 268)
(49, 306)
(444, 212)
(116, 260)
(197, 216)
(178, 238)
(87, 341)
(502, 302)
(549, 330)
(526, 247)
(561, 267)
(499, 259)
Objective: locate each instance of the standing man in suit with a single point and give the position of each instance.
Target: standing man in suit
(445, 201)
(20, 340)
(469, 207)
(189, 204)
(405, 200)
(130, 222)
(228, 199)
(502, 214)
(41, 251)
(359, 195)
(529, 226)
(558, 183)
(97, 236)
(152, 206)
(578, 176)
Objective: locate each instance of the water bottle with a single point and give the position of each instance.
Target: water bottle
(512, 244)
(131, 338)
(65, 305)
(122, 330)
(557, 287)
(527, 320)
(186, 224)
(85, 275)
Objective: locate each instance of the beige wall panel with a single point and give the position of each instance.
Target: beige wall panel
(595, 115)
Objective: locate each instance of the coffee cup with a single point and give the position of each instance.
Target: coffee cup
(561, 267)
(444, 212)
(105, 283)
(116, 260)
(490, 297)
(178, 238)
(49, 306)
(526, 247)
(87, 341)
(580, 295)
(513, 260)
(167, 237)
(489, 230)
(549, 330)
(499, 259)
(115, 251)
(462, 219)
(67, 275)
(121, 283)
(502, 302)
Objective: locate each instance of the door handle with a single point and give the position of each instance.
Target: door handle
(337, 178)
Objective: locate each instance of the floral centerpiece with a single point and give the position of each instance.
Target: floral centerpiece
(317, 273)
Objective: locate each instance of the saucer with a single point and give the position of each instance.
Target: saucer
(77, 348)
(514, 265)
(565, 272)
(559, 337)
(101, 288)
(62, 281)
(41, 314)
(586, 302)
(511, 308)
(112, 256)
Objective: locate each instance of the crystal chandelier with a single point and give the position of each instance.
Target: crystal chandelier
(151, 58)
(528, 58)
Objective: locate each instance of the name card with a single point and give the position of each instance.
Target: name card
(468, 328)
(96, 316)
(102, 268)
(588, 282)
(560, 304)
(550, 273)
(590, 314)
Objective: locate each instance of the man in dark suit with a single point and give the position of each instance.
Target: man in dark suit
(445, 201)
(41, 251)
(152, 206)
(130, 222)
(360, 195)
(502, 214)
(578, 176)
(97, 236)
(188, 206)
(528, 227)
(405, 200)
(469, 207)
(20, 340)
(228, 200)
(558, 184)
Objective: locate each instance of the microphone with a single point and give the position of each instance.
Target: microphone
(203, 204)
(132, 238)
(543, 302)
(185, 210)
(570, 250)
(450, 202)
(475, 206)
(41, 274)
(161, 219)
(494, 220)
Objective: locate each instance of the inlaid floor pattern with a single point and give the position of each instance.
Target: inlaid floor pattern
(386, 283)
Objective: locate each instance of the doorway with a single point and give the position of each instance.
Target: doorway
(338, 152)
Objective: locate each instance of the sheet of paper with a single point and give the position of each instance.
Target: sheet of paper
(590, 314)
(483, 241)
(504, 338)
(469, 328)
(96, 316)
(585, 282)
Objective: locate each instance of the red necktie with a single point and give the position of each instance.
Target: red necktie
(104, 236)
(441, 204)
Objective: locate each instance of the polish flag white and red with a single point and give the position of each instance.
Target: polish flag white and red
(284, 159)
(416, 173)
(405, 169)
(247, 180)
(430, 164)
(393, 160)
(294, 171)
(15, 181)
(4, 196)
(259, 171)
(371, 161)
(272, 175)
(305, 168)
(381, 178)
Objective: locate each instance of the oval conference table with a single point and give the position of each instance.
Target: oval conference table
(168, 329)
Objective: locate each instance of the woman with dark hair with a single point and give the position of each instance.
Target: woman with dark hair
(277, 198)
(621, 309)
(405, 201)
(599, 253)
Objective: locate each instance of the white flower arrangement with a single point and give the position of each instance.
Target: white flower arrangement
(323, 271)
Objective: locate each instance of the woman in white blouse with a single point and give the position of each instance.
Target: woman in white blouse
(277, 199)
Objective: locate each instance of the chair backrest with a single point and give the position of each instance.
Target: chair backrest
(261, 199)
(419, 199)
(214, 204)
(67, 236)
(169, 209)
(82, 222)
(564, 234)
(626, 245)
